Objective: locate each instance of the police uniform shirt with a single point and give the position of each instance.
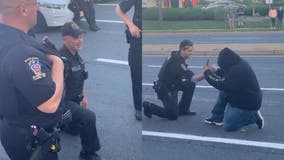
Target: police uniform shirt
(174, 70)
(25, 79)
(126, 5)
(74, 81)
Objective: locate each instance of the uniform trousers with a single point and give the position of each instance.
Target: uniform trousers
(135, 63)
(84, 122)
(172, 108)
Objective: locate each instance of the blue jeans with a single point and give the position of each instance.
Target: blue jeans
(233, 118)
(219, 107)
(236, 118)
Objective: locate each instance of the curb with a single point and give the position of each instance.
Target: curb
(214, 49)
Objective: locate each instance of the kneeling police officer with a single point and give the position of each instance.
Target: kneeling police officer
(174, 76)
(31, 85)
(83, 120)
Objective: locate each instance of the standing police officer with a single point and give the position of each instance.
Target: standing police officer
(83, 119)
(88, 8)
(31, 85)
(174, 76)
(134, 37)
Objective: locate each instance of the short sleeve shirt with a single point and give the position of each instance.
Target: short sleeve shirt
(25, 77)
(126, 5)
(174, 70)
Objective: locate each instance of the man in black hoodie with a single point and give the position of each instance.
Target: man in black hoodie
(174, 76)
(239, 91)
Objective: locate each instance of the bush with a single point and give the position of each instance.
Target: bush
(173, 14)
(260, 10)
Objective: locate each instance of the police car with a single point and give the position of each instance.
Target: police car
(52, 13)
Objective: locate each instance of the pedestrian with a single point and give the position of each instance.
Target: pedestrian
(75, 99)
(84, 8)
(31, 82)
(174, 76)
(231, 18)
(241, 14)
(134, 38)
(280, 16)
(240, 96)
(272, 15)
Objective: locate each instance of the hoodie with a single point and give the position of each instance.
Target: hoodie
(239, 81)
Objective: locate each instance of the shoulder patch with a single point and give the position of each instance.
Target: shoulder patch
(183, 67)
(35, 66)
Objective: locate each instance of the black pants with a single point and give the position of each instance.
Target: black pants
(172, 108)
(87, 6)
(15, 142)
(84, 121)
(135, 63)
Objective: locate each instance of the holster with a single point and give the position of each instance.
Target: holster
(43, 142)
(160, 88)
(128, 35)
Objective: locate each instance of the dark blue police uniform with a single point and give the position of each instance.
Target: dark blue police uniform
(174, 76)
(25, 82)
(83, 119)
(87, 6)
(135, 51)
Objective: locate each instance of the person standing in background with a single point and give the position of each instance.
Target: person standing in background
(134, 38)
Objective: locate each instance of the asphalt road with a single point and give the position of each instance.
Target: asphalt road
(190, 138)
(109, 93)
(215, 38)
(108, 90)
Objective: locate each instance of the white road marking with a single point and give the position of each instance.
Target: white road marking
(159, 66)
(198, 86)
(111, 61)
(151, 84)
(105, 21)
(109, 21)
(214, 139)
(106, 4)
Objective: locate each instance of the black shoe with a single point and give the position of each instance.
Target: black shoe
(147, 109)
(260, 121)
(212, 121)
(187, 113)
(138, 115)
(88, 156)
(96, 28)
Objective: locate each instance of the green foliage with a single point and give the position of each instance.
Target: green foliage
(260, 10)
(174, 14)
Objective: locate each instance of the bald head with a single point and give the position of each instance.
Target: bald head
(8, 5)
(20, 14)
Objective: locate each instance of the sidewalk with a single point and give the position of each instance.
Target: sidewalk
(213, 49)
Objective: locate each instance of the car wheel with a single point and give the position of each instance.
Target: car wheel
(41, 25)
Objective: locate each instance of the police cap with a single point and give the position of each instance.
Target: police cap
(71, 29)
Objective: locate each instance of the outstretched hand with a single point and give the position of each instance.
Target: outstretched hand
(209, 66)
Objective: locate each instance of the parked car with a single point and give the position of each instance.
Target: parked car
(224, 4)
(52, 13)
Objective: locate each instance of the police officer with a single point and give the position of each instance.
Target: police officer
(134, 37)
(88, 8)
(174, 76)
(83, 119)
(31, 85)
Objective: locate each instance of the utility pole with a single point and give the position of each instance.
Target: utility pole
(160, 14)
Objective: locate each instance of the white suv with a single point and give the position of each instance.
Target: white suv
(52, 13)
